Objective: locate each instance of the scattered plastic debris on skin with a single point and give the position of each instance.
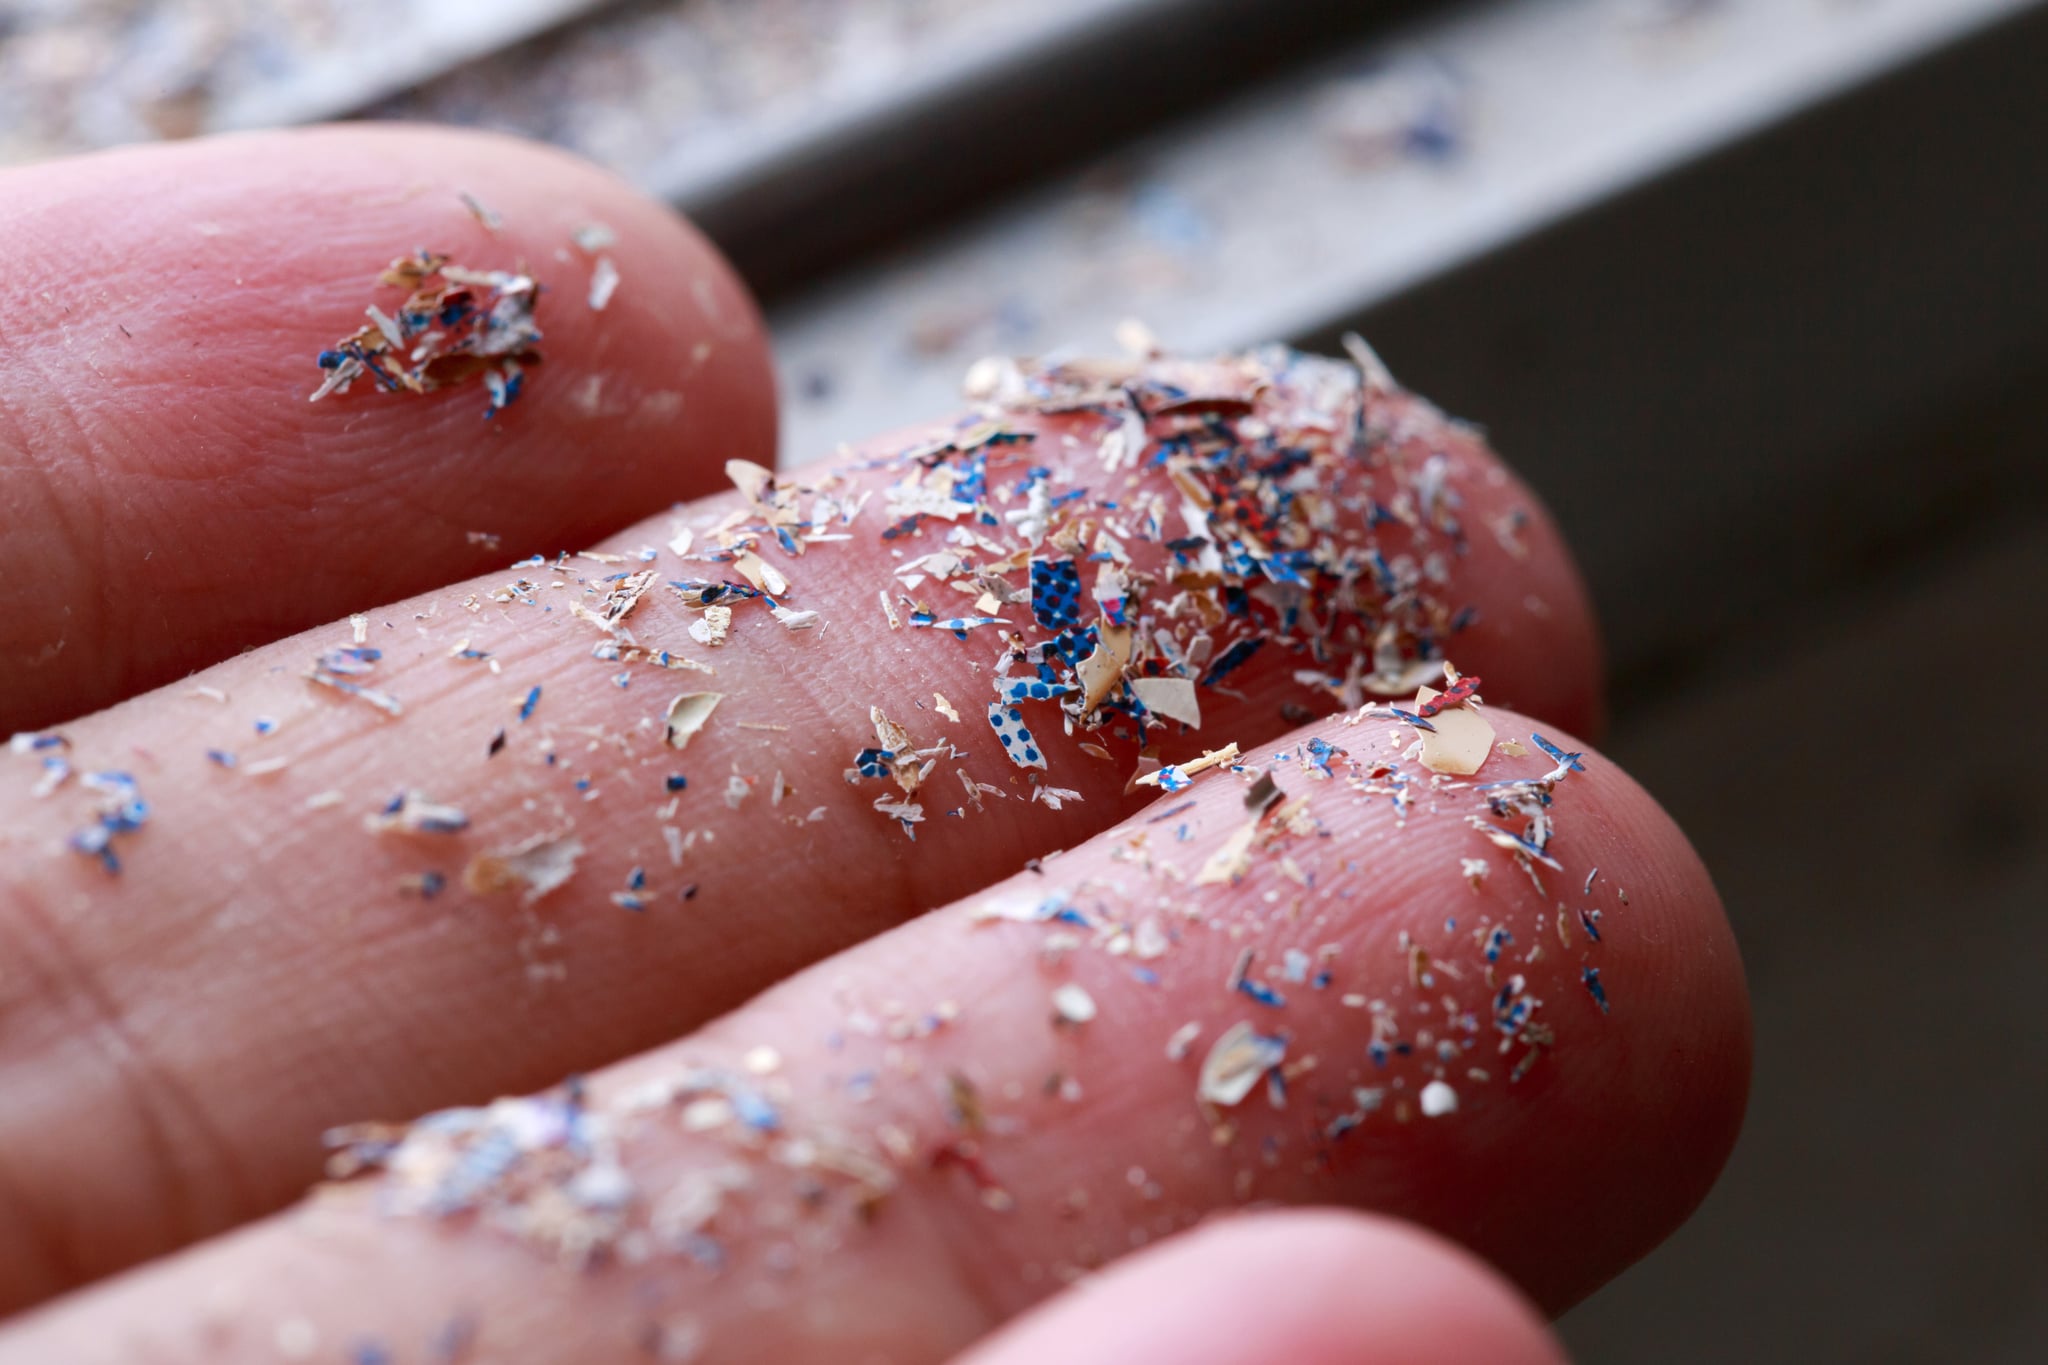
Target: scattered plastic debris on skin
(1301, 524)
(455, 324)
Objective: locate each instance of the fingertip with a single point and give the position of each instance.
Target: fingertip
(167, 442)
(1317, 1287)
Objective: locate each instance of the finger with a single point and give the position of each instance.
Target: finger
(1309, 1288)
(169, 495)
(332, 991)
(914, 1141)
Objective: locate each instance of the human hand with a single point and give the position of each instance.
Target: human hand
(915, 1122)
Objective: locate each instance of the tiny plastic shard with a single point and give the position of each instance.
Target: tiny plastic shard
(1232, 860)
(688, 713)
(592, 238)
(1071, 1004)
(1438, 1099)
(1210, 759)
(711, 628)
(359, 628)
(1183, 1038)
(604, 280)
(481, 211)
(1173, 698)
(945, 707)
(1236, 1062)
(411, 812)
(1460, 741)
(538, 865)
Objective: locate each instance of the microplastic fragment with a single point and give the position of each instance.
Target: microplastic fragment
(592, 238)
(457, 324)
(1458, 742)
(122, 810)
(1591, 977)
(795, 620)
(1438, 1099)
(538, 865)
(1071, 1003)
(1565, 762)
(1018, 745)
(1232, 859)
(409, 812)
(688, 713)
(481, 211)
(1235, 1063)
(604, 280)
(1173, 698)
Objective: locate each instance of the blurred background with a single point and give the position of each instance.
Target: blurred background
(1753, 291)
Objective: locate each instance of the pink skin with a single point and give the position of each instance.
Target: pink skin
(1318, 1288)
(1559, 1179)
(168, 496)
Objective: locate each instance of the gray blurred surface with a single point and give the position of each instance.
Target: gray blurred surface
(1864, 783)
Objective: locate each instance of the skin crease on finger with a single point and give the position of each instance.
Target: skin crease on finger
(911, 1143)
(335, 986)
(1329, 1289)
(167, 494)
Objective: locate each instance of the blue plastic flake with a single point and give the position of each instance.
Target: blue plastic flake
(349, 660)
(622, 680)
(1497, 940)
(1172, 779)
(1591, 976)
(1561, 758)
(472, 654)
(753, 1109)
(532, 700)
(1262, 993)
(959, 625)
(122, 811)
(1031, 689)
(1589, 920)
(1232, 659)
(874, 762)
(369, 1353)
(675, 782)
(636, 880)
(431, 884)
(1056, 593)
(265, 725)
(1320, 752)
(1018, 744)
(220, 757)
